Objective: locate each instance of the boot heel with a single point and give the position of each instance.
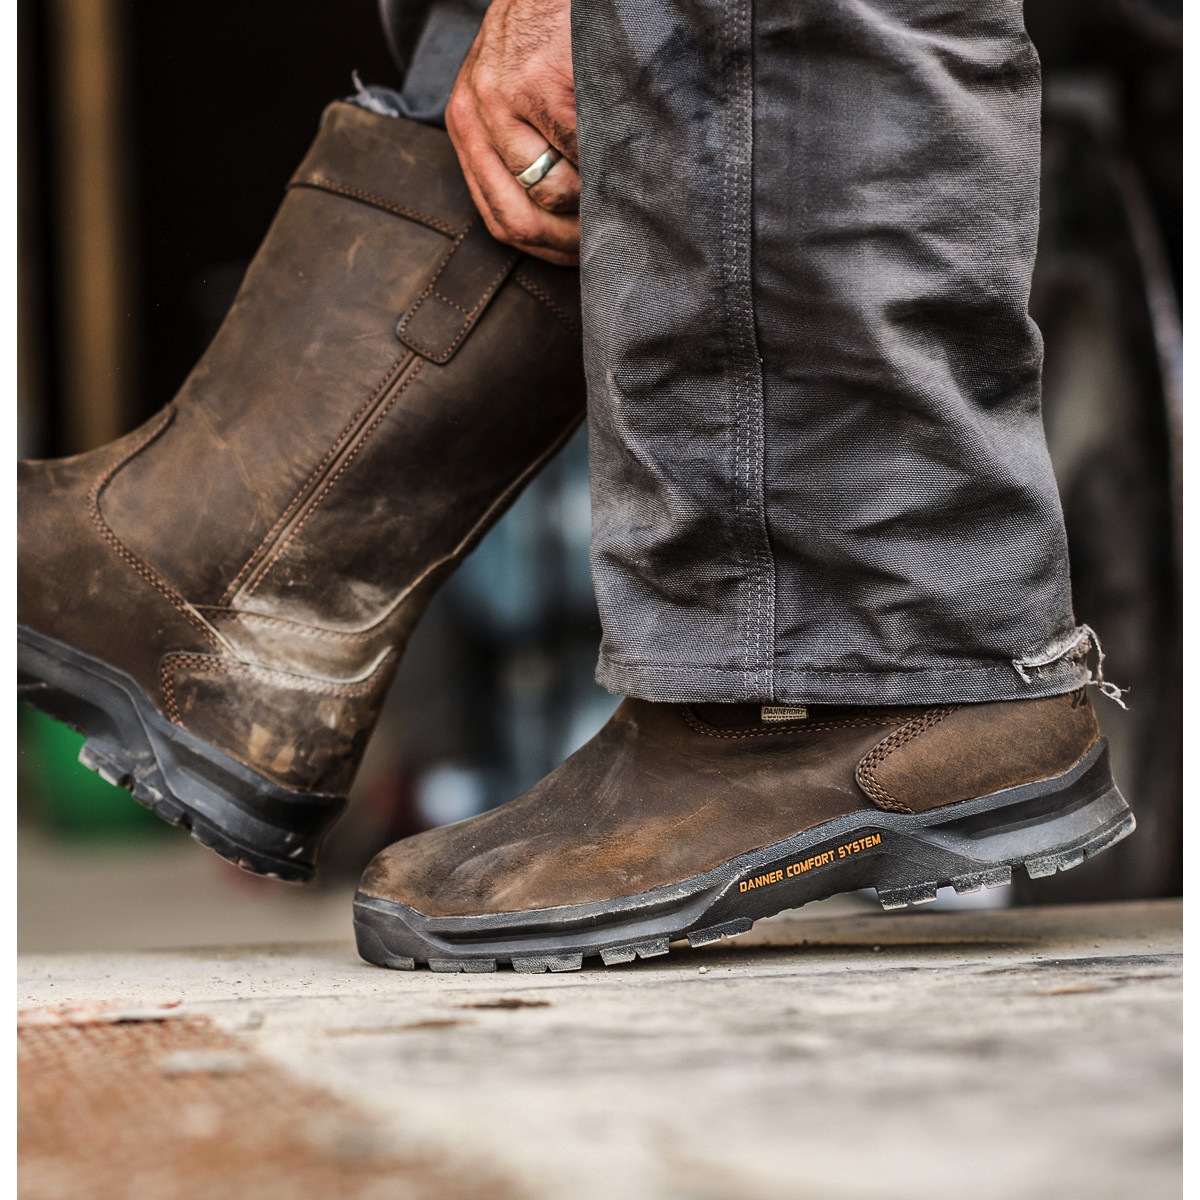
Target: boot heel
(249, 820)
(1042, 828)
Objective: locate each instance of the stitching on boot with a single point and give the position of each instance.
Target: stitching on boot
(166, 685)
(865, 774)
(465, 544)
(431, 290)
(541, 294)
(131, 559)
(452, 304)
(323, 183)
(298, 498)
(775, 731)
(331, 481)
(180, 660)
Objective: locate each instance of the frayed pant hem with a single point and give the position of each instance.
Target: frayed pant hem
(722, 685)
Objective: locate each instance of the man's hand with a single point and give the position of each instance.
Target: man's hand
(514, 94)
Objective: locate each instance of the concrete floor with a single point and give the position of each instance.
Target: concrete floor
(998, 1054)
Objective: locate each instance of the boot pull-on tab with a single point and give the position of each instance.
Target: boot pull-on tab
(461, 289)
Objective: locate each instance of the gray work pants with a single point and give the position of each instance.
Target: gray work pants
(818, 465)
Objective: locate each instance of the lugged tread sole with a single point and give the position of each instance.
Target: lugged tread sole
(1044, 827)
(242, 816)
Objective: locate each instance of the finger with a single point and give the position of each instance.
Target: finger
(517, 142)
(509, 213)
(526, 86)
(521, 222)
(519, 146)
(538, 239)
(550, 116)
(552, 113)
(558, 190)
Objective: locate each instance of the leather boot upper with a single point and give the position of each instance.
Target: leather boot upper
(256, 555)
(664, 792)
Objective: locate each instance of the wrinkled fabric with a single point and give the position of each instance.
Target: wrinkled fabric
(429, 40)
(818, 466)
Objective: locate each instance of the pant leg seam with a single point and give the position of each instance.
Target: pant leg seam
(749, 401)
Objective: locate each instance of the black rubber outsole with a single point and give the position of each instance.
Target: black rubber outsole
(241, 815)
(1043, 827)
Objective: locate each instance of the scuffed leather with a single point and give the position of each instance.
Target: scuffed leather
(664, 792)
(229, 702)
(360, 542)
(257, 554)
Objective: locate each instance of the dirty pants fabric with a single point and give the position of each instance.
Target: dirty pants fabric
(818, 466)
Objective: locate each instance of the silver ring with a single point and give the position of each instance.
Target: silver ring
(539, 168)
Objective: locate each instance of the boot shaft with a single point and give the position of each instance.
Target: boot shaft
(366, 408)
(386, 382)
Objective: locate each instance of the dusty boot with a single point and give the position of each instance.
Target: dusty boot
(693, 821)
(220, 600)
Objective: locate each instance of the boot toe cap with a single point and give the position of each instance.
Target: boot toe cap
(458, 870)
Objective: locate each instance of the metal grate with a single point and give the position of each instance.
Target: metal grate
(175, 1109)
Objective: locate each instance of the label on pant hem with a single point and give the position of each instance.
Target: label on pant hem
(779, 712)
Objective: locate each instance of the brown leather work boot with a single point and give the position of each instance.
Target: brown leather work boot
(693, 821)
(220, 599)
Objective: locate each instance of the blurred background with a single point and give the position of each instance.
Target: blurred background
(154, 143)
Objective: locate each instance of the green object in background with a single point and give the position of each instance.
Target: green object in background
(59, 791)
